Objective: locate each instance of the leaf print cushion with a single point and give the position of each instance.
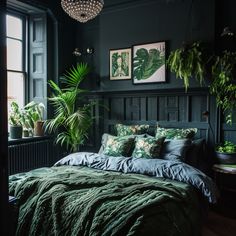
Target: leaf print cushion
(124, 130)
(118, 146)
(148, 147)
(175, 133)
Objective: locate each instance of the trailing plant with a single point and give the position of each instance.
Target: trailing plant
(71, 119)
(15, 117)
(187, 62)
(226, 147)
(224, 83)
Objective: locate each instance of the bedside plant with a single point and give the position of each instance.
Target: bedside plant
(71, 120)
(226, 153)
(15, 120)
(187, 62)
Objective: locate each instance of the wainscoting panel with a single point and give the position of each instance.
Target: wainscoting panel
(175, 109)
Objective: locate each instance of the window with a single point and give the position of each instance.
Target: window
(16, 52)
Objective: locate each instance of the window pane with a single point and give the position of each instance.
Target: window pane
(14, 27)
(14, 54)
(15, 89)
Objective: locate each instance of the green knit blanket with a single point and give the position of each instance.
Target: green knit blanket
(83, 201)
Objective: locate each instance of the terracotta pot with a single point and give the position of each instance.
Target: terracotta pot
(38, 128)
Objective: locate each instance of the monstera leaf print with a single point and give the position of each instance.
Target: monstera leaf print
(147, 62)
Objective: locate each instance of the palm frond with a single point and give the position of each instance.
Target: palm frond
(75, 75)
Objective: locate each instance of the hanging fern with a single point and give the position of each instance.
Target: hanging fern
(187, 62)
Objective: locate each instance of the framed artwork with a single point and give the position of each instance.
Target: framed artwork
(120, 64)
(149, 63)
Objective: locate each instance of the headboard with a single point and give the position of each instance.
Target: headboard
(176, 110)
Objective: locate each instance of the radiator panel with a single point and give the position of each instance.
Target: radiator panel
(30, 155)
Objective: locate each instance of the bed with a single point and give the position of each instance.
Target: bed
(98, 194)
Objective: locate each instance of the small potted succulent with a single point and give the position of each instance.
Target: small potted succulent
(226, 153)
(34, 117)
(15, 120)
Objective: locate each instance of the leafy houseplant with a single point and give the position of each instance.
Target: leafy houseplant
(187, 62)
(224, 83)
(226, 153)
(15, 120)
(71, 120)
(33, 117)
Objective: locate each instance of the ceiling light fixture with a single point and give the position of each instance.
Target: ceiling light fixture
(82, 10)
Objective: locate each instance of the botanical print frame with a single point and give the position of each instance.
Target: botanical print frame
(120, 64)
(149, 63)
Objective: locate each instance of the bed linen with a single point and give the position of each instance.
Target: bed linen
(79, 196)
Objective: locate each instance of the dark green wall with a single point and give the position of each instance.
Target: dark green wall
(125, 23)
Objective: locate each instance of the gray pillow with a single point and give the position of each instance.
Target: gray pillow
(175, 149)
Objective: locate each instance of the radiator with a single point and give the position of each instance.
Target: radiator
(30, 155)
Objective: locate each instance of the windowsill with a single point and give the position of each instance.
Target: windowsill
(27, 139)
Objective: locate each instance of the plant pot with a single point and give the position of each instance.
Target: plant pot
(16, 131)
(25, 133)
(38, 128)
(226, 158)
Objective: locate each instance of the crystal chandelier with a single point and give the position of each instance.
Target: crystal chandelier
(82, 10)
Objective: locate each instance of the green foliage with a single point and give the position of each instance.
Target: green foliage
(224, 84)
(187, 62)
(31, 113)
(146, 63)
(71, 121)
(226, 147)
(15, 117)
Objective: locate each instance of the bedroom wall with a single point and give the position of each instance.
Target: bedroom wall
(124, 23)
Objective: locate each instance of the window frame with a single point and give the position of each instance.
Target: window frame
(25, 50)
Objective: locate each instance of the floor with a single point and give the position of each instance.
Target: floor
(220, 223)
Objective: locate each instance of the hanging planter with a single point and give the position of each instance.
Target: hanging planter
(223, 85)
(187, 62)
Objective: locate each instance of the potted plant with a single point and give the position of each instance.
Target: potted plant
(33, 116)
(187, 62)
(223, 85)
(71, 120)
(15, 119)
(226, 153)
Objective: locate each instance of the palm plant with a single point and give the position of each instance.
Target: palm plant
(71, 120)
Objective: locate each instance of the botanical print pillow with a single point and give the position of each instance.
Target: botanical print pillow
(175, 133)
(148, 147)
(118, 146)
(123, 130)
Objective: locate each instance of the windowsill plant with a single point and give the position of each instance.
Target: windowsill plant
(33, 117)
(15, 120)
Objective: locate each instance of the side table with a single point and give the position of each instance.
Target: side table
(224, 176)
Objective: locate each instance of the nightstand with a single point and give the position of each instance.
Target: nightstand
(225, 176)
(13, 215)
(225, 179)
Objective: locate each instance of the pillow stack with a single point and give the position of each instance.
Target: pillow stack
(177, 143)
(133, 140)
